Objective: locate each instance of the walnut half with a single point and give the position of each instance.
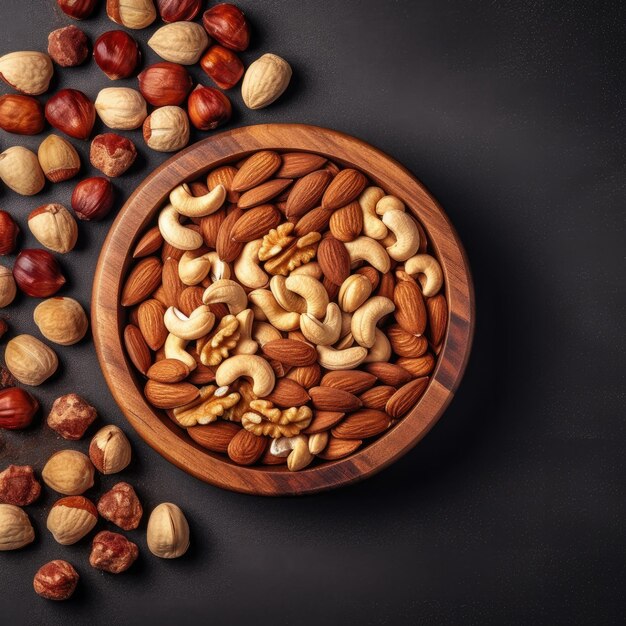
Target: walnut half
(211, 403)
(266, 420)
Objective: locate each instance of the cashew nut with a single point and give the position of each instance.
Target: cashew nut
(366, 249)
(323, 333)
(354, 291)
(389, 203)
(372, 224)
(246, 345)
(247, 268)
(250, 365)
(175, 233)
(277, 316)
(367, 316)
(312, 291)
(346, 323)
(381, 350)
(188, 205)
(193, 269)
(262, 332)
(428, 272)
(197, 325)
(312, 268)
(347, 341)
(296, 449)
(347, 359)
(289, 300)
(318, 442)
(228, 292)
(407, 236)
(174, 348)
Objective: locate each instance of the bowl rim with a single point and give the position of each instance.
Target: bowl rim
(171, 441)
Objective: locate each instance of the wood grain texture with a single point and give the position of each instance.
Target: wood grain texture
(173, 442)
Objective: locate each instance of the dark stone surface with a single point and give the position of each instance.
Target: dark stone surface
(512, 509)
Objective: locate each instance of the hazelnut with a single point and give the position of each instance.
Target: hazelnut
(27, 71)
(117, 54)
(112, 552)
(121, 506)
(55, 580)
(166, 129)
(9, 232)
(54, 227)
(178, 10)
(7, 379)
(58, 159)
(29, 360)
(121, 108)
(168, 531)
(68, 46)
(112, 154)
(37, 273)
(4, 327)
(227, 24)
(223, 66)
(78, 9)
(92, 198)
(18, 485)
(180, 42)
(17, 408)
(16, 530)
(61, 320)
(265, 81)
(8, 288)
(165, 83)
(72, 112)
(21, 172)
(135, 14)
(70, 519)
(208, 108)
(69, 472)
(109, 450)
(22, 115)
(71, 416)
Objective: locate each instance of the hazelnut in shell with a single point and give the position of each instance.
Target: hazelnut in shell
(22, 115)
(69, 472)
(117, 54)
(9, 232)
(168, 531)
(109, 450)
(37, 273)
(16, 531)
(21, 172)
(54, 227)
(92, 198)
(58, 159)
(8, 288)
(166, 129)
(70, 519)
(208, 108)
(31, 361)
(71, 112)
(17, 408)
(61, 320)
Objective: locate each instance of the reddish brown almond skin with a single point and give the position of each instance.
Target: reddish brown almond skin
(56, 580)
(227, 24)
(22, 115)
(78, 9)
(222, 66)
(17, 408)
(165, 83)
(178, 10)
(215, 436)
(356, 382)
(92, 198)
(112, 154)
(37, 273)
(9, 232)
(334, 260)
(362, 425)
(18, 485)
(78, 502)
(290, 352)
(245, 448)
(68, 46)
(72, 112)
(345, 188)
(117, 54)
(208, 108)
(255, 223)
(137, 348)
(334, 400)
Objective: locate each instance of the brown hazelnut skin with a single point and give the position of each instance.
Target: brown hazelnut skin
(78, 9)
(56, 580)
(38, 273)
(112, 552)
(68, 46)
(121, 506)
(71, 416)
(223, 66)
(227, 24)
(17, 408)
(117, 54)
(112, 154)
(208, 108)
(18, 485)
(178, 10)
(9, 232)
(22, 115)
(71, 112)
(165, 83)
(92, 198)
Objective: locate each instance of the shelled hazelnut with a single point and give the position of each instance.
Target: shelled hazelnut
(112, 154)
(56, 580)
(18, 485)
(71, 416)
(112, 552)
(68, 46)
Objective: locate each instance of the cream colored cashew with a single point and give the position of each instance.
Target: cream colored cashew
(367, 316)
(312, 268)
(289, 300)
(259, 315)
(372, 224)
(193, 269)
(229, 292)
(428, 271)
(346, 323)
(388, 241)
(262, 332)
(323, 333)
(250, 365)
(407, 236)
(175, 233)
(247, 268)
(174, 348)
(275, 314)
(313, 292)
(347, 359)
(318, 442)
(197, 325)
(246, 345)
(188, 205)
(381, 350)
(354, 291)
(296, 449)
(366, 249)
(389, 203)
(347, 341)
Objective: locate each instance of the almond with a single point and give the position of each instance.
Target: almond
(410, 310)
(245, 448)
(307, 192)
(215, 436)
(346, 223)
(143, 279)
(323, 420)
(269, 459)
(406, 397)
(307, 376)
(354, 381)
(190, 299)
(421, 366)
(406, 344)
(334, 260)
(386, 285)
(170, 396)
(298, 164)
(290, 352)
(330, 399)
(256, 170)
(339, 448)
(173, 286)
(210, 226)
(170, 252)
(362, 424)
(437, 308)
(149, 243)
(263, 193)
(224, 176)
(168, 371)
(227, 249)
(345, 187)
(288, 393)
(389, 373)
(150, 321)
(255, 223)
(332, 288)
(137, 348)
(202, 375)
(314, 221)
(377, 397)
(371, 274)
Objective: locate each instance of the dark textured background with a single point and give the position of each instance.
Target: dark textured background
(512, 509)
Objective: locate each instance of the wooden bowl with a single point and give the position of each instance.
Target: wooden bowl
(108, 317)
